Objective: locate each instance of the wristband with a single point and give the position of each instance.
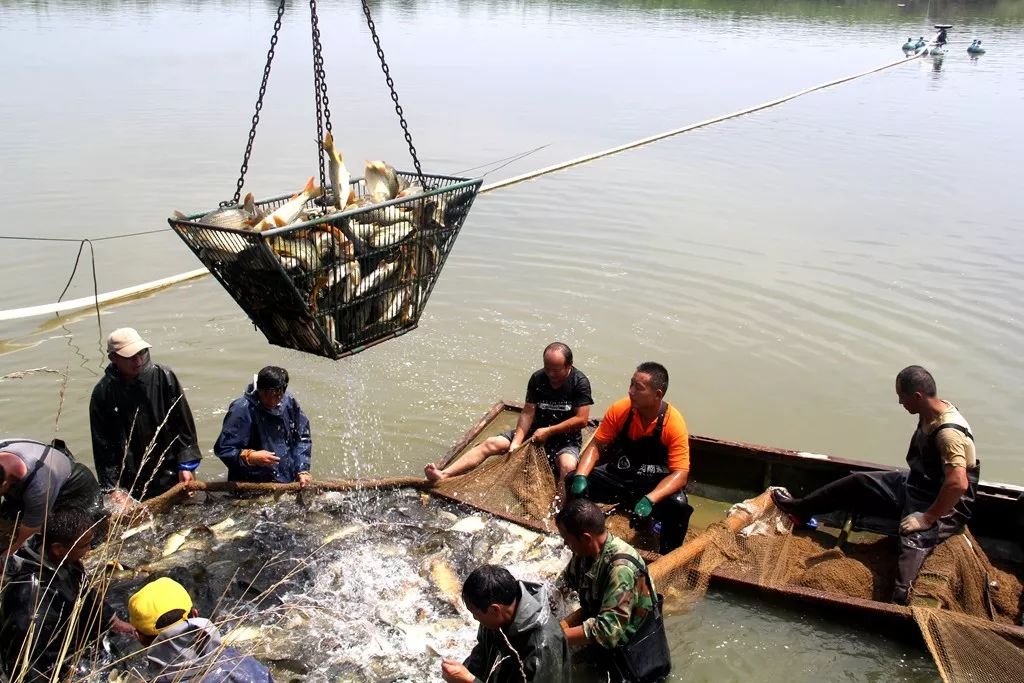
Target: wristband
(244, 455)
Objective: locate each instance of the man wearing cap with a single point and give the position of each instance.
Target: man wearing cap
(38, 478)
(266, 436)
(143, 435)
(181, 646)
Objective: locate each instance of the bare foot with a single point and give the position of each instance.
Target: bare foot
(434, 474)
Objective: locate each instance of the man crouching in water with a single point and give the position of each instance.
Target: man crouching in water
(518, 638)
(180, 645)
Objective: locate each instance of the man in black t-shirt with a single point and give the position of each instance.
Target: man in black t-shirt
(558, 401)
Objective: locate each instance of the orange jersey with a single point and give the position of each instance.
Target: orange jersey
(674, 434)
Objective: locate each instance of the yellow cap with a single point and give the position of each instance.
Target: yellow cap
(157, 605)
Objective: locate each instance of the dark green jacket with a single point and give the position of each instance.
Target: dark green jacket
(539, 651)
(125, 416)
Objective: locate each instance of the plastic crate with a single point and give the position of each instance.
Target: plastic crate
(337, 284)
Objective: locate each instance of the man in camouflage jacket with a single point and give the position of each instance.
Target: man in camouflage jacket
(614, 596)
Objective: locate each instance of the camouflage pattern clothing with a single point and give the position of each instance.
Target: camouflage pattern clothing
(614, 596)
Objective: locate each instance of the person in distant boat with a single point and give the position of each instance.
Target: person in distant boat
(38, 478)
(931, 501)
(143, 435)
(615, 592)
(265, 437)
(518, 639)
(640, 458)
(940, 39)
(49, 602)
(557, 408)
(181, 646)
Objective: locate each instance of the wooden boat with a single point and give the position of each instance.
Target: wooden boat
(726, 472)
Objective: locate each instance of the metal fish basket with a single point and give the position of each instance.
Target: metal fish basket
(340, 282)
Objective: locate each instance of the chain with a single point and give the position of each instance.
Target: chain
(323, 104)
(259, 106)
(394, 94)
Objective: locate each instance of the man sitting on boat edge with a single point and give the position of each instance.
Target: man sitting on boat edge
(645, 448)
(932, 499)
(557, 408)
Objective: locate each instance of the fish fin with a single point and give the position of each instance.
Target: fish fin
(309, 187)
(278, 220)
(352, 198)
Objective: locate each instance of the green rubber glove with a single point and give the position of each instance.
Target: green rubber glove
(578, 485)
(643, 508)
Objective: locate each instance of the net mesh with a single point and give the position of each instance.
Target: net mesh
(969, 603)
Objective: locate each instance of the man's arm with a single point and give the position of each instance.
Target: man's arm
(234, 434)
(674, 482)
(575, 423)
(304, 448)
(523, 425)
(953, 488)
(106, 452)
(185, 447)
(591, 456)
(607, 629)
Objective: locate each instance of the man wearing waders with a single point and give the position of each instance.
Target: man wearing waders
(932, 500)
(643, 448)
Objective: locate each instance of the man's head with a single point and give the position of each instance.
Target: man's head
(128, 351)
(492, 595)
(915, 386)
(648, 386)
(158, 605)
(557, 363)
(69, 534)
(271, 383)
(582, 527)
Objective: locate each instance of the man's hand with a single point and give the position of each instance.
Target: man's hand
(578, 485)
(185, 475)
(542, 434)
(514, 446)
(304, 479)
(452, 671)
(916, 521)
(120, 500)
(643, 508)
(262, 459)
(119, 625)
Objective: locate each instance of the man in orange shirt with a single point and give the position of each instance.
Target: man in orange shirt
(644, 450)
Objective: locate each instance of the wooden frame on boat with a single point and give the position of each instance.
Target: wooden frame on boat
(732, 471)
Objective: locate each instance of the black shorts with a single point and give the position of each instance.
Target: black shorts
(554, 446)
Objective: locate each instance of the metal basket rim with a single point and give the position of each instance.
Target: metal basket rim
(462, 183)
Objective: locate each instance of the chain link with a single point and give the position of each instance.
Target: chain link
(323, 103)
(394, 94)
(259, 106)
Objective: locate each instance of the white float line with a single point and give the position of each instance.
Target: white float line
(84, 302)
(87, 301)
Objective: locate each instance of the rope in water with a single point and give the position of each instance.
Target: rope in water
(97, 299)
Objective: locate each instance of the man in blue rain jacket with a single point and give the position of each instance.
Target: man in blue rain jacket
(265, 437)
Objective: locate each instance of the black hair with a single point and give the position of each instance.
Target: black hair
(272, 377)
(562, 349)
(67, 525)
(580, 516)
(490, 585)
(914, 378)
(658, 373)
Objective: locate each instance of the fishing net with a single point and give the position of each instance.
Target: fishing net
(970, 637)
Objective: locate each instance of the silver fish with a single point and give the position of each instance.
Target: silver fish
(341, 180)
(381, 181)
(391, 234)
(378, 276)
